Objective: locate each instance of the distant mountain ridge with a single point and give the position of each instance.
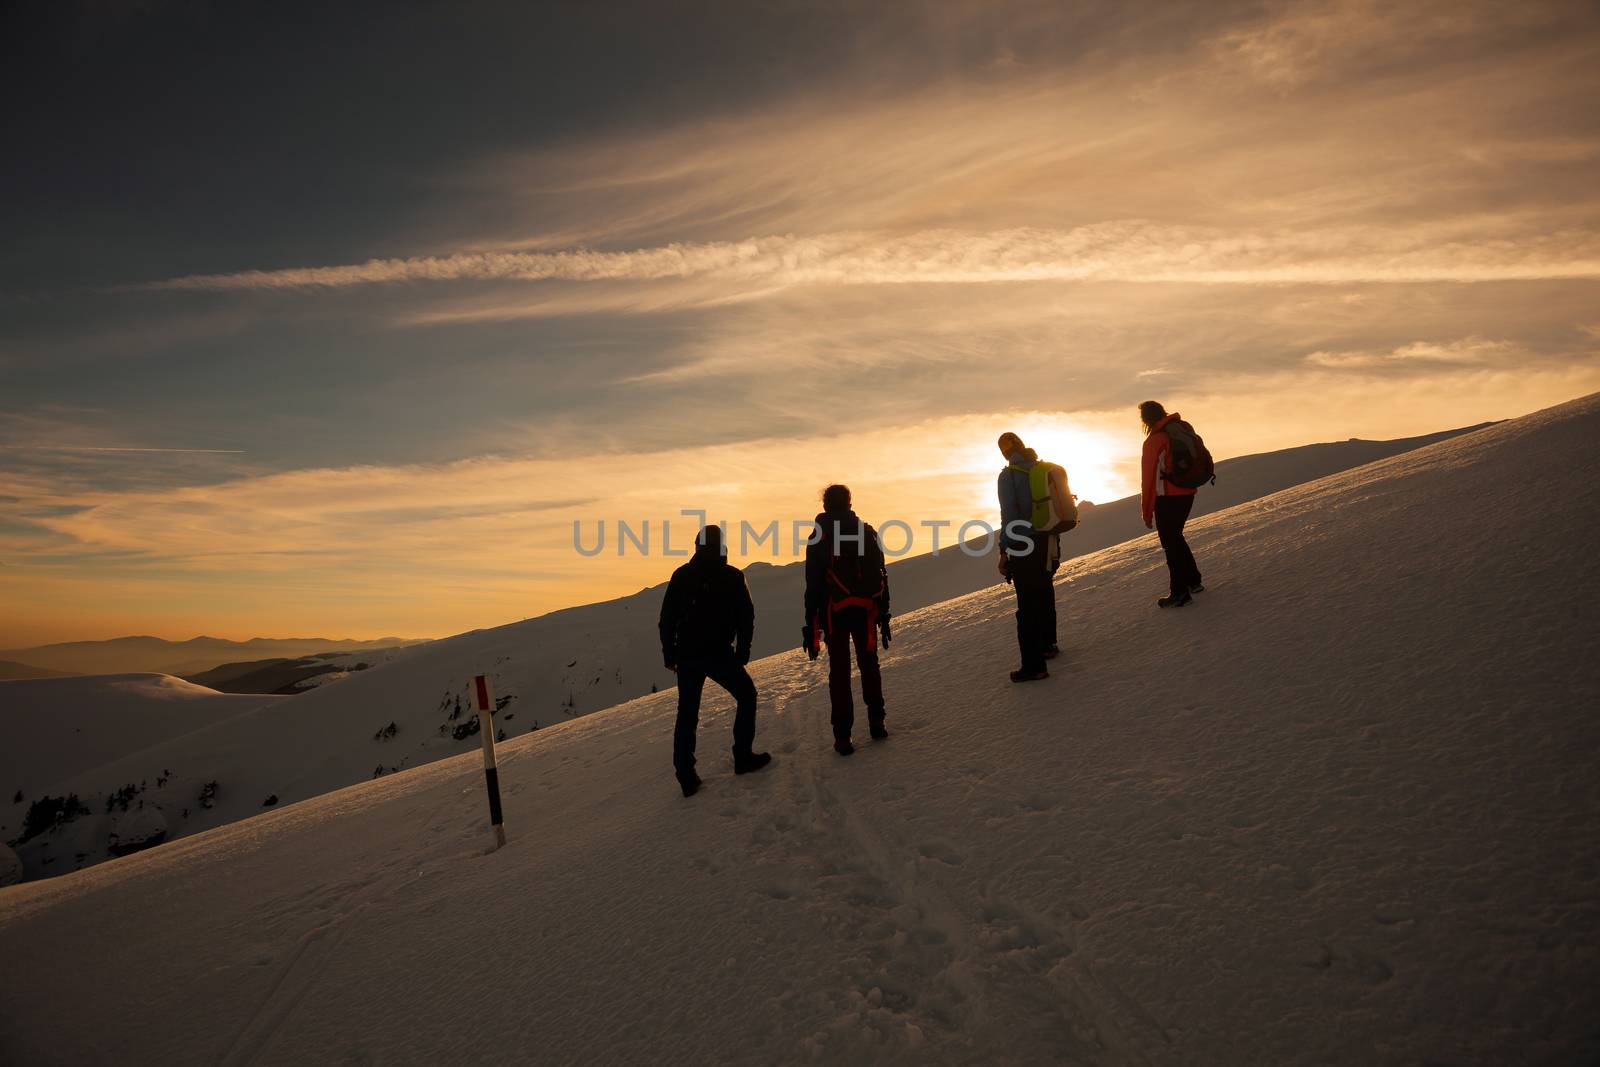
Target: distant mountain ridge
(143, 653)
(11, 670)
(282, 677)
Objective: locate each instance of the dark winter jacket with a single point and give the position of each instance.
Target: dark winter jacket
(819, 556)
(707, 610)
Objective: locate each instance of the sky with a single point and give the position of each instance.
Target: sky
(333, 319)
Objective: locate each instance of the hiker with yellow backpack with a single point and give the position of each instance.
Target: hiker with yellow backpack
(1036, 507)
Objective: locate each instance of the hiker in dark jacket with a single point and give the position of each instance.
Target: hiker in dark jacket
(707, 621)
(847, 599)
(1025, 562)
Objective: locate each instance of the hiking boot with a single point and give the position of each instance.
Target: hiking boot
(1175, 600)
(753, 762)
(844, 746)
(689, 783)
(1052, 652)
(878, 730)
(1197, 587)
(1029, 676)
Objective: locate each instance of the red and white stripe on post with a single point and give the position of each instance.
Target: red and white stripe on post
(491, 770)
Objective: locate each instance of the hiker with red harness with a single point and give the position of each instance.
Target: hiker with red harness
(847, 600)
(1175, 464)
(1036, 507)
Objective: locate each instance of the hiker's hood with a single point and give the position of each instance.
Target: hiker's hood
(844, 520)
(1024, 459)
(1171, 416)
(708, 546)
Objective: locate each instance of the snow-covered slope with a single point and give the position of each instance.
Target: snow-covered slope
(549, 669)
(57, 728)
(1342, 810)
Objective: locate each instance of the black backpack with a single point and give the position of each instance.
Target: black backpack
(855, 579)
(1189, 463)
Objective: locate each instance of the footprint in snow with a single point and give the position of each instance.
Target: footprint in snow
(943, 853)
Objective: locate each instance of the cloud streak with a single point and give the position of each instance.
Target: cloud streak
(1136, 250)
(1466, 351)
(98, 448)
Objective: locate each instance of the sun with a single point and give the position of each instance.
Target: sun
(1101, 464)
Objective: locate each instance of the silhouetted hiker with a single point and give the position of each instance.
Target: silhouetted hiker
(707, 620)
(1175, 464)
(847, 599)
(1036, 506)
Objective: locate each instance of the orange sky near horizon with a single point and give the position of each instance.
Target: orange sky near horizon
(510, 564)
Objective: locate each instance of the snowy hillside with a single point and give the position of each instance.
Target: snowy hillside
(411, 706)
(1342, 810)
(57, 728)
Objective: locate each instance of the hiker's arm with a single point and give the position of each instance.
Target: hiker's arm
(816, 570)
(882, 563)
(747, 620)
(669, 624)
(1147, 498)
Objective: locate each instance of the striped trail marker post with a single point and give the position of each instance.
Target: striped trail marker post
(491, 771)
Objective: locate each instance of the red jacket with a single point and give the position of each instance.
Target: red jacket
(1156, 448)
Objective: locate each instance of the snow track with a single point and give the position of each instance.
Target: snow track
(944, 956)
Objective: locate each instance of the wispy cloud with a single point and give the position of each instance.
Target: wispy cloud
(99, 448)
(1136, 250)
(1297, 42)
(1467, 350)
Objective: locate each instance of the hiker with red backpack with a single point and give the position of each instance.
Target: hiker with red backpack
(1175, 464)
(1036, 507)
(847, 600)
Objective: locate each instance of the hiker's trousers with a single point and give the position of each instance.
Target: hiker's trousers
(852, 624)
(1171, 513)
(725, 670)
(1036, 604)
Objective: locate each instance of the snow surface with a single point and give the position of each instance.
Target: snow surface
(1342, 810)
(550, 669)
